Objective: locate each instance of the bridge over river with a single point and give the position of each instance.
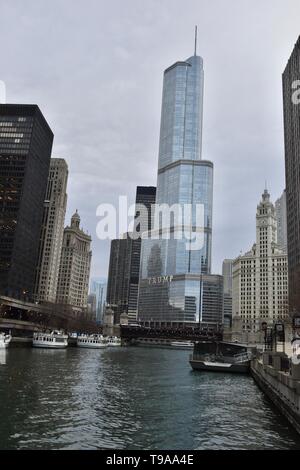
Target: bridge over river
(197, 333)
(24, 317)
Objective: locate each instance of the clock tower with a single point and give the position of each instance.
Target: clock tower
(266, 226)
(260, 288)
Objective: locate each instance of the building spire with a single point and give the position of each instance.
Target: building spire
(266, 191)
(196, 31)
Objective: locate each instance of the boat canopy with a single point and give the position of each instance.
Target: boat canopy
(219, 347)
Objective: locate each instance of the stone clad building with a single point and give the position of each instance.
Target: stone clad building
(52, 232)
(75, 264)
(281, 215)
(260, 277)
(227, 291)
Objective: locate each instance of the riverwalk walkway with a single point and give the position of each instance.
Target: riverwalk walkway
(278, 375)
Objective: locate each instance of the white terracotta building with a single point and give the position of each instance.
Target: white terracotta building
(75, 265)
(52, 232)
(260, 277)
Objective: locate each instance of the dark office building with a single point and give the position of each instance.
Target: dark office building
(145, 195)
(25, 151)
(119, 276)
(291, 103)
(124, 263)
(212, 299)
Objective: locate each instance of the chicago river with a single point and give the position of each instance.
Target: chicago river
(131, 398)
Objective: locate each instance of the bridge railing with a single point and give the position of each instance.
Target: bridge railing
(194, 334)
(47, 316)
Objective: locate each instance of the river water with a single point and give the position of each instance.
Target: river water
(130, 398)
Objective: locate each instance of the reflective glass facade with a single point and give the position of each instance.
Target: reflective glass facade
(99, 288)
(171, 272)
(182, 112)
(187, 183)
(186, 299)
(25, 150)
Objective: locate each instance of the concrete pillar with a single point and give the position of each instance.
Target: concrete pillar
(124, 319)
(295, 371)
(117, 331)
(265, 358)
(108, 324)
(277, 360)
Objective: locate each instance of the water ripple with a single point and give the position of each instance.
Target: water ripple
(131, 398)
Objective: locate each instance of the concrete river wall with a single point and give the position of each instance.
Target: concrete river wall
(279, 378)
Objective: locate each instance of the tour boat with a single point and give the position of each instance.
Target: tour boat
(214, 365)
(3, 357)
(92, 341)
(221, 357)
(114, 341)
(4, 340)
(73, 335)
(164, 343)
(53, 340)
(182, 345)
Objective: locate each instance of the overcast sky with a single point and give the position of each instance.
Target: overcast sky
(95, 68)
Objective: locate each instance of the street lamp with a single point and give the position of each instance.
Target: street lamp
(279, 334)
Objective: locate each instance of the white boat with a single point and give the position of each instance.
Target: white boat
(237, 365)
(164, 343)
(3, 357)
(114, 341)
(4, 340)
(182, 344)
(92, 341)
(53, 340)
(73, 335)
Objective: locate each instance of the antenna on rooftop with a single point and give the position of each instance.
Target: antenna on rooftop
(196, 31)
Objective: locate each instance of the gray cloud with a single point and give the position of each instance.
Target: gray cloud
(95, 69)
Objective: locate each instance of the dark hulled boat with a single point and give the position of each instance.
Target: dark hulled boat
(217, 356)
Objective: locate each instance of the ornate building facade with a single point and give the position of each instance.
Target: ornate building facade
(227, 290)
(75, 265)
(260, 277)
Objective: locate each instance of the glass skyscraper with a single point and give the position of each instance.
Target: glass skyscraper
(25, 150)
(99, 288)
(173, 275)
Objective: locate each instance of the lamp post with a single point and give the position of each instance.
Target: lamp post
(264, 328)
(279, 334)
